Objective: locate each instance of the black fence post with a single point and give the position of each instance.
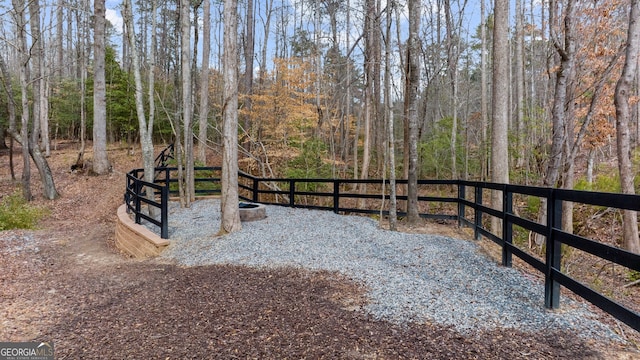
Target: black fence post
(461, 207)
(138, 188)
(164, 212)
(336, 195)
(553, 254)
(126, 194)
(167, 178)
(292, 192)
(477, 213)
(255, 189)
(507, 226)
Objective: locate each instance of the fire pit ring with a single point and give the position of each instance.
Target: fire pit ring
(252, 211)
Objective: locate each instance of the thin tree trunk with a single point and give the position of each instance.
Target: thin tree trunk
(204, 83)
(185, 56)
(11, 107)
(411, 101)
(393, 201)
(452, 65)
(623, 115)
(84, 55)
(519, 82)
(249, 49)
(484, 99)
(267, 30)
(145, 128)
(368, 91)
(58, 65)
(566, 52)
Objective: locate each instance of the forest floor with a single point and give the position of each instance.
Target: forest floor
(65, 282)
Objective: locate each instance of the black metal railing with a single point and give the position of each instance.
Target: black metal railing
(341, 196)
(155, 196)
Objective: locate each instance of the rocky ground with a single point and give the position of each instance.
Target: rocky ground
(65, 282)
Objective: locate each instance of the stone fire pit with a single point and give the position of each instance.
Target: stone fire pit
(252, 211)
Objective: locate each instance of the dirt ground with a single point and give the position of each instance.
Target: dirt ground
(66, 283)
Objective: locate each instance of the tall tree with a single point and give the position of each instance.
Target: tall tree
(100, 158)
(566, 50)
(412, 79)
(370, 58)
(23, 58)
(145, 127)
(29, 135)
(11, 109)
(500, 103)
(203, 122)
(623, 116)
(230, 220)
(484, 111)
(519, 82)
(388, 106)
(185, 67)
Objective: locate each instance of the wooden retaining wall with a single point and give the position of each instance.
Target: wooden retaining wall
(136, 240)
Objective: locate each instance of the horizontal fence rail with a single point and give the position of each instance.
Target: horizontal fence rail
(143, 199)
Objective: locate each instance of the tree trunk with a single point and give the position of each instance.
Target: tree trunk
(23, 57)
(500, 106)
(519, 82)
(623, 115)
(203, 122)
(267, 30)
(452, 70)
(36, 79)
(566, 52)
(393, 202)
(185, 57)
(101, 164)
(249, 49)
(484, 100)
(369, 108)
(145, 128)
(59, 63)
(411, 103)
(229, 196)
(11, 107)
(83, 42)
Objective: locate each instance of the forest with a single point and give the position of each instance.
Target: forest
(525, 92)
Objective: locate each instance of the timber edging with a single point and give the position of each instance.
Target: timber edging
(136, 240)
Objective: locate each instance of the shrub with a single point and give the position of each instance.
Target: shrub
(17, 213)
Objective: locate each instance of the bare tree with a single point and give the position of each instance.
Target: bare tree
(145, 127)
(566, 50)
(519, 82)
(500, 104)
(29, 140)
(204, 83)
(411, 108)
(484, 169)
(623, 116)
(369, 58)
(11, 108)
(230, 221)
(393, 202)
(185, 66)
(268, 11)
(100, 158)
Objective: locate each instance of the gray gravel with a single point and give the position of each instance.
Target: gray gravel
(410, 277)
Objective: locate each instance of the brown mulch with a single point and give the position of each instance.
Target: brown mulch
(74, 288)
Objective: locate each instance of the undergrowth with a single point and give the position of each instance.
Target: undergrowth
(17, 213)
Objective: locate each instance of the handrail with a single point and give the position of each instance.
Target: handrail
(333, 191)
